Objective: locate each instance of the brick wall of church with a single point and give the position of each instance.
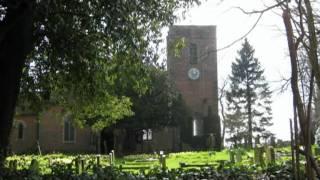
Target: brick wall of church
(50, 135)
(28, 141)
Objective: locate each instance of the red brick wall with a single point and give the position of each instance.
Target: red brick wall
(51, 135)
(27, 144)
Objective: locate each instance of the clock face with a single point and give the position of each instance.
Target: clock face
(194, 73)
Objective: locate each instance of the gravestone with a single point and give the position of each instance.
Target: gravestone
(238, 155)
(231, 155)
(258, 155)
(110, 159)
(162, 160)
(98, 160)
(270, 155)
(34, 166)
(77, 165)
(317, 151)
(257, 140)
(273, 141)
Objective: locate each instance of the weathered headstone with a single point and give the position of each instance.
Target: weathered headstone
(257, 140)
(238, 155)
(113, 156)
(270, 155)
(82, 165)
(162, 161)
(232, 154)
(98, 160)
(258, 155)
(110, 159)
(34, 166)
(317, 151)
(210, 141)
(13, 164)
(273, 141)
(77, 165)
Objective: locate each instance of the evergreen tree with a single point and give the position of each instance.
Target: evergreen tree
(249, 98)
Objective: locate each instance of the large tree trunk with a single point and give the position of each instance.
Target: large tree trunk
(313, 43)
(15, 43)
(303, 114)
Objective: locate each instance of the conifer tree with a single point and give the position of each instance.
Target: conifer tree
(248, 98)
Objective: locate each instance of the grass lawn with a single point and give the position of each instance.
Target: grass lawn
(173, 160)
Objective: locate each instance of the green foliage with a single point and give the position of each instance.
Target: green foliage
(86, 51)
(159, 106)
(176, 46)
(248, 98)
(277, 172)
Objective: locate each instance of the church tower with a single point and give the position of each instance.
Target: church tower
(193, 70)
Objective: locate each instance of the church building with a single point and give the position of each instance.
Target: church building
(192, 68)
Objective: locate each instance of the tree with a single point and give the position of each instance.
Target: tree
(301, 20)
(303, 38)
(235, 126)
(248, 97)
(159, 106)
(222, 96)
(70, 42)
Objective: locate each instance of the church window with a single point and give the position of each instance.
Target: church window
(196, 127)
(20, 130)
(193, 54)
(147, 135)
(69, 132)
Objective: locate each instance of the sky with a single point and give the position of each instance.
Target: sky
(267, 38)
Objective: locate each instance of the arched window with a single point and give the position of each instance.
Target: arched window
(20, 130)
(197, 127)
(69, 132)
(194, 127)
(193, 54)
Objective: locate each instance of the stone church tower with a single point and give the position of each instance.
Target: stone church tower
(193, 70)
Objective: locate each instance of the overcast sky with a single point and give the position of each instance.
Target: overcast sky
(268, 40)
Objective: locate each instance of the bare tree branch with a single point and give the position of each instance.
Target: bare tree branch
(242, 37)
(263, 10)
